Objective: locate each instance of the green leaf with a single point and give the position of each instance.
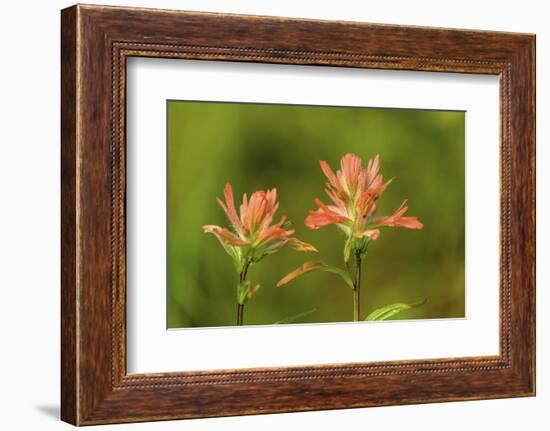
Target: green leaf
(235, 253)
(242, 292)
(347, 249)
(245, 291)
(296, 317)
(387, 312)
(313, 266)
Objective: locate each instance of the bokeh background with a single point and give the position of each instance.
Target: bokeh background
(260, 146)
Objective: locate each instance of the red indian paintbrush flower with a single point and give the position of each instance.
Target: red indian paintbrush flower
(354, 191)
(253, 235)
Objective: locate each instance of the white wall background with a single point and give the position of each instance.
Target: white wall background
(29, 214)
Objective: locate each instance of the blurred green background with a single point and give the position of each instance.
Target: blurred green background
(256, 146)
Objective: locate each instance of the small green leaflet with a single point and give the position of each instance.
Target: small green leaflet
(387, 312)
(242, 292)
(347, 249)
(313, 266)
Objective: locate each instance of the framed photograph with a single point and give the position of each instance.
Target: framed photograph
(322, 214)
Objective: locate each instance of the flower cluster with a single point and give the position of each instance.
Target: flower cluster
(253, 235)
(354, 191)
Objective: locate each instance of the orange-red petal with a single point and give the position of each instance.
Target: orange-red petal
(229, 208)
(397, 219)
(223, 235)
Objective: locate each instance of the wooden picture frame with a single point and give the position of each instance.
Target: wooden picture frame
(95, 43)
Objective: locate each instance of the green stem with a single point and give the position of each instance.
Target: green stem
(240, 313)
(357, 289)
(240, 307)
